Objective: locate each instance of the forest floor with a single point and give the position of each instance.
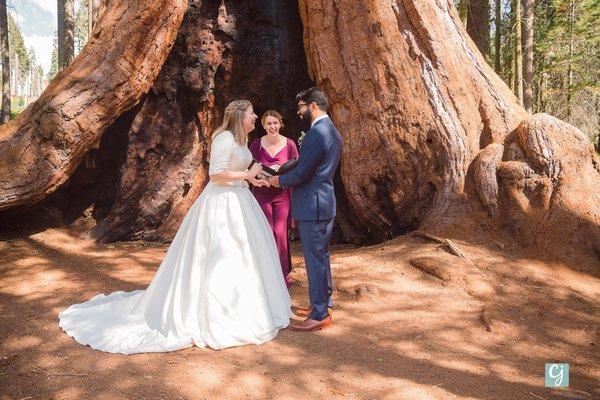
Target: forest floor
(483, 331)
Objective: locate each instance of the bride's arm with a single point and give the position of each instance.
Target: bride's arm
(221, 151)
(228, 176)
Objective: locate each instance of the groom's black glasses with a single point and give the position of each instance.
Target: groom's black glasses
(300, 105)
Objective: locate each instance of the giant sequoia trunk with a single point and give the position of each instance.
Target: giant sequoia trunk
(433, 138)
(415, 101)
(239, 50)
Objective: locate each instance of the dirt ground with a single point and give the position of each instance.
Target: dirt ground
(480, 327)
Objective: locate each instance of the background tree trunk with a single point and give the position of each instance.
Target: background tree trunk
(6, 93)
(518, 57)
(463, 10)
(66, 32)
(93, 14)
(95, 9)
(528, 8)
(571, 28)
(60, 32)
(498, 36)
(478, 24)
(42, 146)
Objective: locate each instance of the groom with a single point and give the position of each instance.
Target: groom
(313, 202)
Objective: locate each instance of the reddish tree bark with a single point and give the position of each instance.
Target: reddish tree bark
(430, 131)
(223, 51)
(42, 147)
(433, 138)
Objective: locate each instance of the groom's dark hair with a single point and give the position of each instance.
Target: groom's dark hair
(314, 94)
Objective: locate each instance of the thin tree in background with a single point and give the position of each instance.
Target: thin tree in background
(5, 63)
(82, 26)
(571, 25)
(60, 5)
(497, 35)
(478, 24)
(518, 59)
(66, 33)
(462, 7)
(54, 60)
(528, 9)
(597, 142)
(93, 7)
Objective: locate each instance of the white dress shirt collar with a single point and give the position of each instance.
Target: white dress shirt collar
(318, 119)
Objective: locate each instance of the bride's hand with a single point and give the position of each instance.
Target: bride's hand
(259, 182)
(255, 170)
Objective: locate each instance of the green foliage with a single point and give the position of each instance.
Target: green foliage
(26, 74)
(17, 104)
(17, 47)
(81, 24)
(566, 59)
(54, 62)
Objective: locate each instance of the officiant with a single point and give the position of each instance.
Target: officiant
(274, 150)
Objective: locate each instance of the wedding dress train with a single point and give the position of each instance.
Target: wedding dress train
(219, 284)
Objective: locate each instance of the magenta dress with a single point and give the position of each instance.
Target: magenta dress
(275, 202)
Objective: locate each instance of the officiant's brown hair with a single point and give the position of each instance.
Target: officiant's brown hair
(232, 120)
(271, 113)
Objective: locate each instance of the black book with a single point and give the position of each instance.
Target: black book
(284, 169)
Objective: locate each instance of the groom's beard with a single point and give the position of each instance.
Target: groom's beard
(307, 117)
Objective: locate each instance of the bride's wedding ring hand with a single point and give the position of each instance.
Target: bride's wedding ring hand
(255, 170)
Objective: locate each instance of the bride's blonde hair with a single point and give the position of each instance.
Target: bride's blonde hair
(232, 120)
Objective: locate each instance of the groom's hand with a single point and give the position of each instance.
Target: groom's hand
(259, 182)
(274, 181)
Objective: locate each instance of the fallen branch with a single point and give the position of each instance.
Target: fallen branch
(536, 396)
(57, 373)
(453, 248)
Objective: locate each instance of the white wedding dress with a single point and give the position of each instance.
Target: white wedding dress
(219, 285)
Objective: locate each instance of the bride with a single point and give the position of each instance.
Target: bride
(220, 283)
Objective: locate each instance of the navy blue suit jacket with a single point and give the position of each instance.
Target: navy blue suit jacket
(313, 197)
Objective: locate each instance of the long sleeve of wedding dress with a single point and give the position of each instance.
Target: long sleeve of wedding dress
(219, 284)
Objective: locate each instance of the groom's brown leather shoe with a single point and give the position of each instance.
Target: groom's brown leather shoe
(305, 312)
(310, 325)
